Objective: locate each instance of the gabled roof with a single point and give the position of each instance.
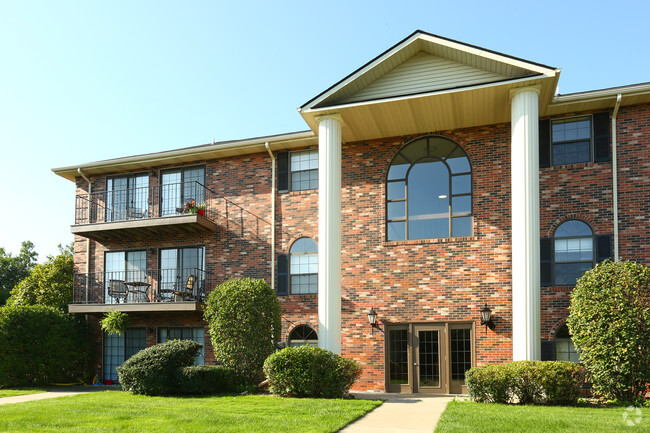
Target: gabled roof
(424, 63)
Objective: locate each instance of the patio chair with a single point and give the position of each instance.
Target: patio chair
(187, 294)
(118, 290)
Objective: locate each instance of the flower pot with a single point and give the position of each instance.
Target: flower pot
(108, 382)
(201, 212)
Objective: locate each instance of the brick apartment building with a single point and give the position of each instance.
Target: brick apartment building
(436, 180)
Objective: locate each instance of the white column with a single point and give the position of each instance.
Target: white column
(329, 232)
(525, 224)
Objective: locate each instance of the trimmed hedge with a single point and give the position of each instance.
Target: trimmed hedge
(204, 379)
(310, 372)
(153, 371)
(526, 382)
(42, 345)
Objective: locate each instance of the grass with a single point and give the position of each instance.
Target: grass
(113, 411)
(465, 416)
(10, 392)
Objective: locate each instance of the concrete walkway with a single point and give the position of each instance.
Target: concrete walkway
(400, 413)
(54, 393)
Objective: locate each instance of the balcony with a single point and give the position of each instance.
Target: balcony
(147, 290)
(145, 211)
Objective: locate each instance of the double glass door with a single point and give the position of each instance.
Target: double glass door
(428, 358)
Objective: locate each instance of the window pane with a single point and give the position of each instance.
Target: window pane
(461, 353)
(571, 152)
(396, 231)
(459, 164)
(567, 274)
(396, 210)
(428, 203)
(574, 249)
(396, 190)
(461, 205)
(573, 228)
(461, 184)
(304, 245)
(461, 226)
(398, 356)
(398, 168)
(428, 228)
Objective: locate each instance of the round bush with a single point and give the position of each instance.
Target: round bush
(308, 371)
(609, 322)
(526, 382)
(204, 379)
(244, 320)
(41, 345)
(153, 371)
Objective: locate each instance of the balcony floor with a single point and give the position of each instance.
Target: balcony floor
(146, 227)
(136, 307)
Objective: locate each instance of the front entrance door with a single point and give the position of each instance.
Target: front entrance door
(428, 358)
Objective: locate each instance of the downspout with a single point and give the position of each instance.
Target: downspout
(615, 175)
(90, 190)
(268, 148)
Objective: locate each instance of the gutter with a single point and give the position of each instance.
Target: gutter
(615, 176)
(90, 190)
(268, 149)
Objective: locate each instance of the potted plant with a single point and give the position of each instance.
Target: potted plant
(190, 207)
(200, 209)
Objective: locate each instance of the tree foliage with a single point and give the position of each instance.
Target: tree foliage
(14, 269)
(41, 345)
(49, 283)
(609, 323)
(244, 320)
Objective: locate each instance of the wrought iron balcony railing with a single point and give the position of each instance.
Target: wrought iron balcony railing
(142, 286)
(138, 203)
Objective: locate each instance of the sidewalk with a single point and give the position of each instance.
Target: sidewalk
(54, 393)
(400, 413)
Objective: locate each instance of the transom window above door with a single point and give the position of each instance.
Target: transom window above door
(429, 191)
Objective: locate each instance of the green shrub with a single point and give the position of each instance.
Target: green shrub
(609, 322)
(244, 320)
(153, 371)
(310, 372)
(526, 382)
(489, 383)
(41, 345)
(204, 379)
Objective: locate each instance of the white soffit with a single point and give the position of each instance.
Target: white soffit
(424, 63)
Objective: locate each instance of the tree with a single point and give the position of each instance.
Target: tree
(14, 269)
(244, 320)
(609, 322)
(49, 283)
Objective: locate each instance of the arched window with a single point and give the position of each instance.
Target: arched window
(564, 349)
(429, 191)
(303, 335)
(574, 251)
(303, 267)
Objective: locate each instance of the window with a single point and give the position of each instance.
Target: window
(176, 265)
(304, 170)
(127, 197)
(303, 335)
(121, 267)
(574, 140)
(564, 349)
(187, 333)
(571, 140)
(429, 191)
(303, 267)
(180, 186)
(574, 251)
(119, 348)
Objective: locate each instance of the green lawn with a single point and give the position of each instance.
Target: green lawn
(19, 391)
(465, 416)
(113, 411)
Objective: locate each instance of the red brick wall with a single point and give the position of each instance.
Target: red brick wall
(444, 280)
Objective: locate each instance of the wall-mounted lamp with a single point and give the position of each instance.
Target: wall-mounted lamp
(152, 251)
(372, 320)
(152, 173)
(486, 318)
(150, 330)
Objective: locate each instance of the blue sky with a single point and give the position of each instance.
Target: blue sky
(86, 81)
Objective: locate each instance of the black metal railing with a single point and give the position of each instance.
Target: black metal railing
(142, 286)
(135, 203)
